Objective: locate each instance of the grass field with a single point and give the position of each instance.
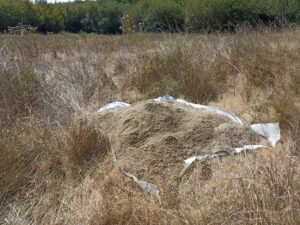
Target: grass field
(55, 165)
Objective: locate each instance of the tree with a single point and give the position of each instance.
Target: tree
(158, 15)
(13, 13)
(50, 18)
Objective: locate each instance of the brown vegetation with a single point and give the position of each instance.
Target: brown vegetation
(55, 162)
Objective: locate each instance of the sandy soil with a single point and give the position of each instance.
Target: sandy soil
(152, 140)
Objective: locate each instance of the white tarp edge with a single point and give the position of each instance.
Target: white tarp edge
(114, 157)
(168, 98)
(114, 105)
(245, 148)
(190, 160)
(151, 188)
(214, 109)
(271, 131)
(248, 148)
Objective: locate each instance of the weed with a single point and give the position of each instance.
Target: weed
(86, 144)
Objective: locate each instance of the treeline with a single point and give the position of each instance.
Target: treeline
(117, 16)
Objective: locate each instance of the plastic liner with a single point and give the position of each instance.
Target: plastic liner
(114, 157)
(270, 131)
(245, 148)
(168, 98)
(200, 158)
(248, 148)
(190, 160)
(231, 115)
(114, 105)
(151, 188)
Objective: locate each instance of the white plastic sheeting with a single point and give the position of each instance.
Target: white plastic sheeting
(200, 158)
(271, 131)
(190, 160)
(214, 109)
(114, 105)
(114, 157)
(168, 98)
(151, 188)
(248, 148)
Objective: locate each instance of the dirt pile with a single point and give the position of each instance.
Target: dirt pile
(152, 139)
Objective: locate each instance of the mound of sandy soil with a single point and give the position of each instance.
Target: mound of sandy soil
(152, 139)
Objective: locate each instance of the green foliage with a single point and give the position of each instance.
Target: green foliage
(158, 15)
(74, 14)
(106, 16)
(218, 14)
(99, 17)
(13, 13)
(279, 10)
(50, 18)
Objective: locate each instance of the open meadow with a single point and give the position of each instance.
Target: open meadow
(56, 151)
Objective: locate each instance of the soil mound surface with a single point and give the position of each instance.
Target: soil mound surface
(152, 139)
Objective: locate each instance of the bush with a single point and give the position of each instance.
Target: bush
(103, 18)
(280, 12)
(13, 13)
(217, 14)
(73, 16)
(158, 15)
(50, 18)
(110, 14)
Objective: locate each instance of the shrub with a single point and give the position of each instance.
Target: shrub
(50, 18)
(110, 15)
(281, 12)
(158, 15)
(73, 16)
(16, 12)
(217, 14)
(103, 18)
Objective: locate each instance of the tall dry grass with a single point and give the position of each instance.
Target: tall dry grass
(55, 165)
